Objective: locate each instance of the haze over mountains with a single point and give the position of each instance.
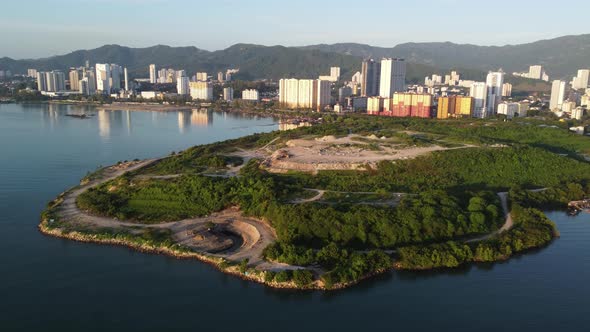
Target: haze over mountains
(562, 57)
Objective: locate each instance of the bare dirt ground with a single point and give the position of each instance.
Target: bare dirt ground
(234, 236)
(352, 152)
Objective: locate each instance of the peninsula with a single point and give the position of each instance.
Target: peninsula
(326, 206)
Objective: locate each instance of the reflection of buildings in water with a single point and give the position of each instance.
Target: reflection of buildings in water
(283, 126)
(117, 119)
(104, 124)
(52, 115)
(128, 117)
(184, 121)
(201, 118)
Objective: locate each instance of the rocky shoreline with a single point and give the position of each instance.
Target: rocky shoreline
(219, 263)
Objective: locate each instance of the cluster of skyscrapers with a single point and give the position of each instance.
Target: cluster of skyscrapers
(103, 79)
(577, 100)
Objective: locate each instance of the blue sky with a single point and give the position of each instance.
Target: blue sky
(37, 28)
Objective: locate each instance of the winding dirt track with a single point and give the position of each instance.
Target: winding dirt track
(256, 234)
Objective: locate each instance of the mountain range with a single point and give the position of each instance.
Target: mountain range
(560, 56)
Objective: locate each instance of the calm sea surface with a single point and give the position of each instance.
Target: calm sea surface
(49, 284)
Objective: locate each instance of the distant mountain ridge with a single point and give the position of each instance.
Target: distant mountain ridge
(254, 61)
(561, 57)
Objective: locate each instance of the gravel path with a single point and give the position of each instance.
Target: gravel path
(256, 235)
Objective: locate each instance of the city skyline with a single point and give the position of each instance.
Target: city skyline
(140, 23)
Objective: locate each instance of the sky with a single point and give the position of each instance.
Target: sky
(41, 28)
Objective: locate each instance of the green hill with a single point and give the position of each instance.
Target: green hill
(562, 56)
(254, 61)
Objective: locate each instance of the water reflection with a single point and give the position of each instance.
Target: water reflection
(184, 121)
(122, 122)
(128, 117)
(104, 124)
(201, 118)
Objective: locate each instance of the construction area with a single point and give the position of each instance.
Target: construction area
(352, 152)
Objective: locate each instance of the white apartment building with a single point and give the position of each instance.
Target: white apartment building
(306, 94)
(557, 95)
(201, 90)
(393, 77)
(580, 82)
(153, 76)
(103, 77)
(494, 86)
(250, 94)
(478, 91)
(182, 86)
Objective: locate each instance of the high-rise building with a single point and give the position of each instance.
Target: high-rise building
(357, 78)
(478, 92)
(494, 86)
(581, 81)
(103, 78)
(202, 77)
(115, 77)
(75, 76)
(58, 80)
(577, 113)
(568, 107)
(228, 94)
(180, 73)
(455, 106)
(371, 77)
(289, 92)
(324, 94)
(126, 76)
(32, 73)
(305, 94)
(508, 109)
(91, 80)
(375, 105)
(182, 86)
(455, 77)
(417, 105)
(42, 81)
(153, 77)
(250, 94)
(393, 77)
(506, 90)
(220, 77)
(557, 95)
(201, 90)
(83, 86)
(536, 72)
(335, 72)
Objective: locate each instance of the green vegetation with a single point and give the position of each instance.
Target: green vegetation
(450, 196)
(532, 230)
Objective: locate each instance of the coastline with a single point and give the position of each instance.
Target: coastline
(57, 221)
(218, 263)
(155, 107)
(51, 216)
